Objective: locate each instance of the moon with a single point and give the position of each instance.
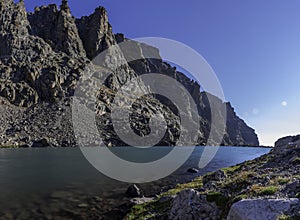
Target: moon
(284, 103)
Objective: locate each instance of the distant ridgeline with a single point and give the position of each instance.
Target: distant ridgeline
(43, 55)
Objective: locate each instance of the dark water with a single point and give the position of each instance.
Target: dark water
(31, 177)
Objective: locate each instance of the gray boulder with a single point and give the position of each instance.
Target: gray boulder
(190, 204)
(257, 209)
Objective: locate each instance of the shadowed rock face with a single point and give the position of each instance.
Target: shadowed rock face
(95, 32)
(43, 55)
(57, 28)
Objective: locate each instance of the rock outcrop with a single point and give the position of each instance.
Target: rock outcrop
(286, 144)
(238, 132)
(57, 28)
(44, 54)
(95, 32)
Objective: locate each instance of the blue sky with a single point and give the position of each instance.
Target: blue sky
(253, 46)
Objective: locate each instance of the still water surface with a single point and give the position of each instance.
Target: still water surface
(33, 175)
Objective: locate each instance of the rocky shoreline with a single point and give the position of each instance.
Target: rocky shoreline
(267, 187)
(42, 143)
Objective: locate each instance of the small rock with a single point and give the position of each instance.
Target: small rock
(192, 170)
(82, 205)
(97, 198)
(134, 191)
(61, 195)
(24, 146)
(215, 176)
(40, 143)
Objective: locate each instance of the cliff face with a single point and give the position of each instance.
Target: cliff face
(237, 131)
(43, 55)
(57, 28)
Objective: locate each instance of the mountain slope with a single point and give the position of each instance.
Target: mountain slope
(43, 55)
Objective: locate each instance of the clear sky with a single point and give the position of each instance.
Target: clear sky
(253, 46)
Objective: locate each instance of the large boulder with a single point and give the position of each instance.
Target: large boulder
(190, 204)
(257, 209)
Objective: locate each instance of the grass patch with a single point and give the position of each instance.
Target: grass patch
(239, 181)
(196, 183)
(218, 198)
(286, 217)
(282, 217)
(239, 198)
(231, 169)
(9, 146)
(282, 181)
(264, 190)
(149, 210)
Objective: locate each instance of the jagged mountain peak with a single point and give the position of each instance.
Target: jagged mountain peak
(43, 55)
(13, 17)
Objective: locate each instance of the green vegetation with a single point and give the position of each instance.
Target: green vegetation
(8, 146)
(196, 183)
(242, 181)
(148, 210)
(239, 197)
(286, 217)
(156, 207)
(282, 181)
(231, 169)
(264, 190)
(283, 217)
(218, 198)
(239, 181)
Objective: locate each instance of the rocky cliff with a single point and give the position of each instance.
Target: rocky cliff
(43, 55)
